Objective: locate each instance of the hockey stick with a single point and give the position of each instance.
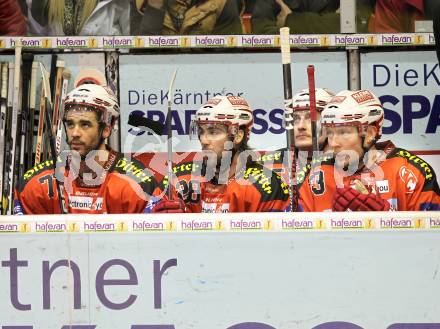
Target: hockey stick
(52, 82)
(145, 124)
(8, 138)
(57, 96)
(39, 147)
(30, 130)
(288, 116)
(3, 105)
(47, 94)
(59, 133)
(313, 113)
(14, 121)
(170, 136)
(27, 73)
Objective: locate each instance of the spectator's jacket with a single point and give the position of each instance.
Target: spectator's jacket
(317, 16)
(210, 17)
(396, 16)
(12, 21)
(110, 17)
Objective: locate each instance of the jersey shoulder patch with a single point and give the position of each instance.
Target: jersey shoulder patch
(423, 167)
(188, 168)
(272, 157)
(137, 171)
(267, 182)
(303, 172)
(45, 166)
(183, 172)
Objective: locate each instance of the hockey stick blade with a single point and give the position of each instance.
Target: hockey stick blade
(143, 123)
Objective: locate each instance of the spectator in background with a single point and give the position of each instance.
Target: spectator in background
(161, 17)
(391, 16)
(82, 17)
(12, 20)
(303, 16)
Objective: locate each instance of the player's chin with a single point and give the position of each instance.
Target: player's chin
(303, 143)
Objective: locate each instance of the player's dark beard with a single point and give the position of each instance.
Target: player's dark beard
(94, 147)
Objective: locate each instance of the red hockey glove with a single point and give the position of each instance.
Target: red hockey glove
(348, 198)
(169, 206)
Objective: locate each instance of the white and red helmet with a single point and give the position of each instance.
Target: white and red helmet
(233, 111)
(301, 100)
(97, 97)
(359, 108)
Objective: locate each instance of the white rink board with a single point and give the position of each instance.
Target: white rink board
(257, 77)
(367, 278)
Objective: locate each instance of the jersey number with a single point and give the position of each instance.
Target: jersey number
(189, 191)
(317, 182)
(49, 181)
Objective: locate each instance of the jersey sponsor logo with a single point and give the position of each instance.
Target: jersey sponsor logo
(209, 207)
(409, 178)
(37, 168)
(270, 157)
(383, 186)
(260, 178)
(136, 171)
(185, 168)
(85, 203)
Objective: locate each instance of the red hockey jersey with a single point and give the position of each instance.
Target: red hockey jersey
(124, 187)
(406, 181)
(253, 189)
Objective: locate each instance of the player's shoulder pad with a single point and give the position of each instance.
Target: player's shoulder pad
(136, 170)
(303, 171)
(272, 157)
(425, 169)
(39, 168)
(267, 182)
(183, 171)
(187, 168)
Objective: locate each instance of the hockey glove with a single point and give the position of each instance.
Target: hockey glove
(169, 206)
(347, 198)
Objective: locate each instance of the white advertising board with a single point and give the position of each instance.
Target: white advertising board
(144, 82)
(236, 276)
(408, 84)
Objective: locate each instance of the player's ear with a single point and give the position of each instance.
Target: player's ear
(371, 135)
(238, 137)
(106, 132)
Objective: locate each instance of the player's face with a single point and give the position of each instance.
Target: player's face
(345, 138)
(213, 137)
(82, 129)
(302, 130)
